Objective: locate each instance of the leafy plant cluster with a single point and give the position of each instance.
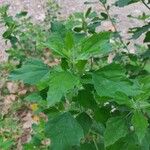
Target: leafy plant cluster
(90, 103)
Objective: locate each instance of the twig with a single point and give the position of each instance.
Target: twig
(145, 4)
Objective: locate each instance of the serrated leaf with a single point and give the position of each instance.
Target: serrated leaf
(97, 44)
(56, 44)
(111, 79)
(116, 128)
(145, 82)
(59, 84)
(140, 124)
(31, 72)
(64, 132)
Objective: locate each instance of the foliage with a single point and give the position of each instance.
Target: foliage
(89, 103)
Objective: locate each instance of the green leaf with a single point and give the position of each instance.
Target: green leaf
(85, 121)
(86, 99)
(97, 44)
(22, 14)
(69, 40)
(104, 15)
(145, 82)
(103, 1)
(64, 132)
(138, 31)
(88, 12)
(147, 37)
(126, 143)
(122, 3)
(140, 124)
(58, 27)
(101, 114)
(34, 97)
(5, 144)
(87, 146)
(31, 72)
(59, 85)
(78, 29)
(116, 128)
(112, 79)
(56, 44)
(80, 65)
(123, 99)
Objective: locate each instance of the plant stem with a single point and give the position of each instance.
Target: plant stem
(91, 60)
(145, 4)
(95, 144)
(113, 24)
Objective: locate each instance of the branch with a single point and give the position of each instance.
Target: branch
(145, 4)
(111, 20)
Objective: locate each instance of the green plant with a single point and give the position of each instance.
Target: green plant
(23, 35)
(89, 103)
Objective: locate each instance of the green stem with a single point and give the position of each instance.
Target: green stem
(145, 4)
(113, 24)
(91, 61)
(96, 146)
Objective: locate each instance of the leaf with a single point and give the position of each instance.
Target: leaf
(86, 99)
(78, 29)
(69, 40)
(122, 3)
(85, 121)
(80, 65)
(97, 44)
(56, 44)
(116, 128)
(34, 97)
(104, 15)
(127, 143)
(147, 37)
(103, 1)
(122, 99)
(22, 14)
(5, 144)
(87, 146)
(112, 79)
(140, 124)
(138, 31)
(101, 114)
(31, 72)
(7, 34)
(59, 84)
(58, 27)
(145, 82)
(88, 12)
(64, 132)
